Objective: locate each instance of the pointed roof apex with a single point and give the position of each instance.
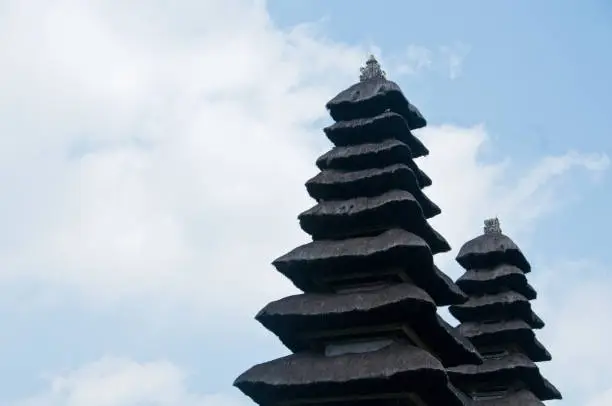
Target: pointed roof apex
(491, 226)
(371, 70)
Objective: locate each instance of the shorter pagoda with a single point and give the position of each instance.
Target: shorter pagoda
(499, 321)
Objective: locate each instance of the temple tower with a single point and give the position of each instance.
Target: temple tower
(366, 329)
(499, 321)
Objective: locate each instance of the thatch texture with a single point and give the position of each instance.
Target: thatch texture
(372, 97)
(506, 332)
(444, 291)
(365, 215)
(294, 319)
(372, 155)
(507, 305)
(491, 250)
(382, 127)
(480, 281)
(393, 248)
(308, 264)
(509, 368)
(394, 369)
(340, 185)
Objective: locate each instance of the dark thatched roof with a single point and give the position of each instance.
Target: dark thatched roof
(372, 97)
(339, 185)
(511, 367)
(368, 156)
(444, 291)
(479, 281)
(516, 398)
(467, 345)
(513, 331)
(491, 250)
(507, 305)
(394, 369)
(384, 126)
(295, 318)
(308, 264)
(393, 248)
(364, 215)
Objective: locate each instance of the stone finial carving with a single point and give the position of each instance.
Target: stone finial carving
(371, 70)
(491, 226)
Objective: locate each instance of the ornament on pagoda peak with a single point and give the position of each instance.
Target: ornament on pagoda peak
(491, 226)
(371, 70)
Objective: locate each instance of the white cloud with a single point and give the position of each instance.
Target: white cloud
(574, 303)
(604, 399)
(468, 190)
(124, 382)
(415, 60)
(455, 56)
(157, 155)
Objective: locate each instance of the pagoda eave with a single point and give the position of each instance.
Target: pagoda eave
(371, 97)
(370, 155)
(514, 331)
(340, 185)
(397, 369)
(444, 291)
(490, 251)
(404, 311)
(395, 255)
(510, 368)
(384, 126)
(382, 251)
(478, 281)
(333, 219)
(508, 305)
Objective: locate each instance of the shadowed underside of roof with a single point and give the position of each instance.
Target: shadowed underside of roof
(394, 209)
(298, 319)
(372, 97)
(339, 185)
(372, 155)
(394, 369)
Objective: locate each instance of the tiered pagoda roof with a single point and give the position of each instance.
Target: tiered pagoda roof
(499, 321)
(366, 329)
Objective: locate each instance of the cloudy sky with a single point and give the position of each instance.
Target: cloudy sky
(153, 155)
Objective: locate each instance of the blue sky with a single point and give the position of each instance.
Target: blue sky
(151, 170)
(536, 73)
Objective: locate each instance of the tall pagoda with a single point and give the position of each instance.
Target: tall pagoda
(499, 321)
(366, 329)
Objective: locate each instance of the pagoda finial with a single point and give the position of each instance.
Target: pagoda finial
(371, 70)
(491, 226)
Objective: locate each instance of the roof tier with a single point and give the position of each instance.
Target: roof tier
(341, 185)
(505, 332)
(508, 305)
(371, 97)
(491, 250)
(479, 281)
(385, 126)
(372, 155)
(402, 312)
(509, 368)
(396, 369)
(333, 219)
(395, 255)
